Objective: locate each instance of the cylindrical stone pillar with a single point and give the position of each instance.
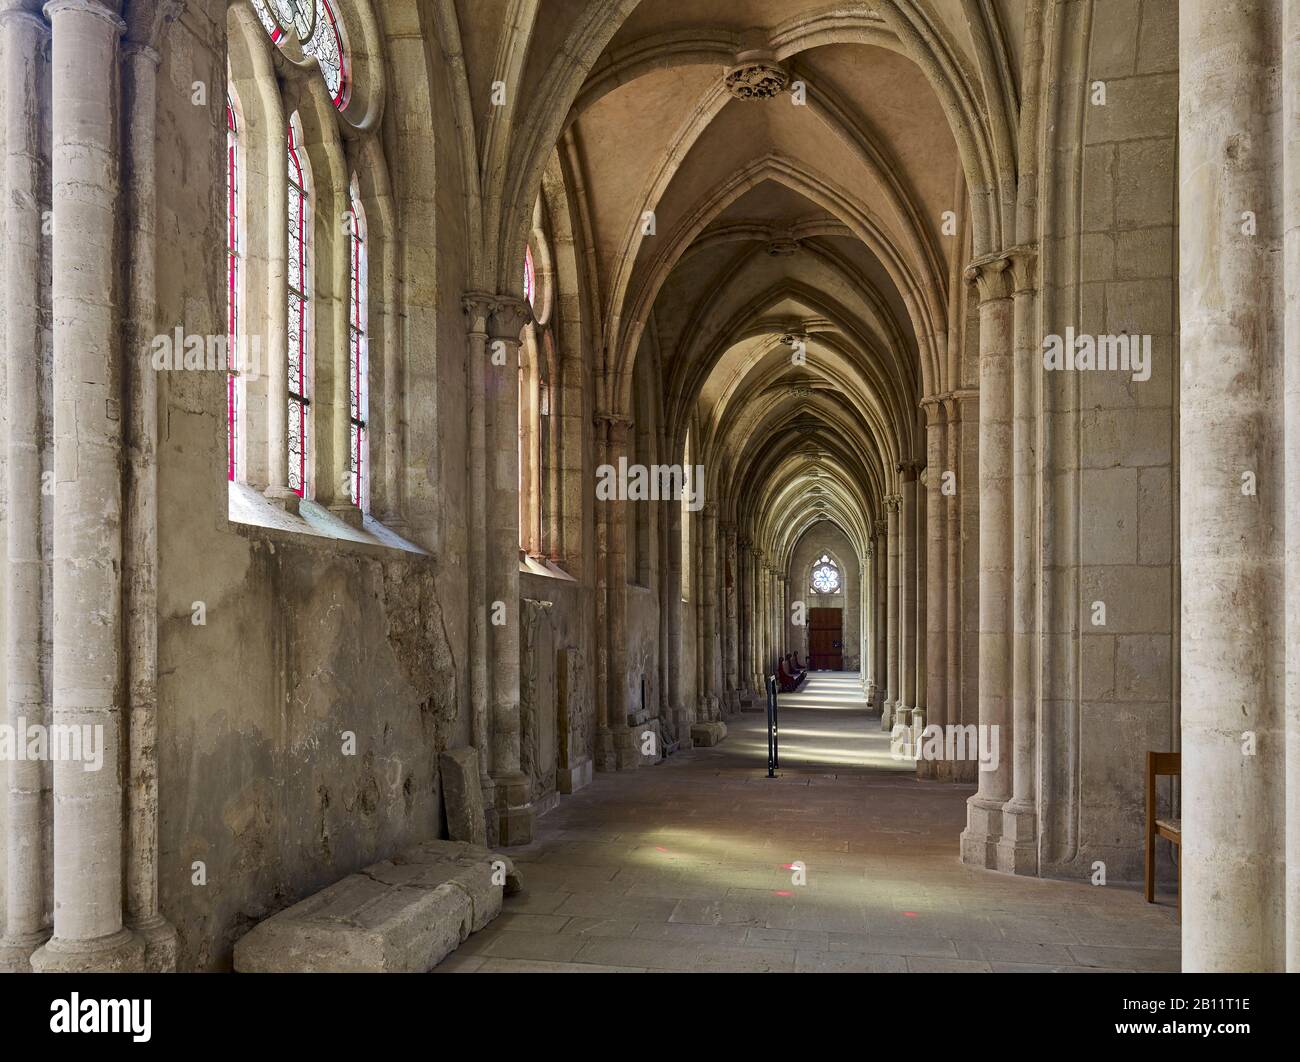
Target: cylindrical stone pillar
(891, 616)
(949, 771)
(907, 575)
(936, 613)
(1018, 846)
(22, 44)
(87, 669)
(478, 308)
(984, 809)
(1232, 356)
(514, 813)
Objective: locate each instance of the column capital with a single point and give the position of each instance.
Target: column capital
(936, 410)
(892, 502)
(882, 526)
(991, 276)
(1024, 267)
(98, 8)
(28, 12)
(478, 308)
(909, 470)
(615, 426)
(509, 315)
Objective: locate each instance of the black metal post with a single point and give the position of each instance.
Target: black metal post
(771, 720)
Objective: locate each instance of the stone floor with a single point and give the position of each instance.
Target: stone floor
(690, 866)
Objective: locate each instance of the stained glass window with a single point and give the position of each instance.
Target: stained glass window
(530, 278)
(233, 193)
(298, 343)
(826, 576)
(316, 27)
(326, 47)
(358, 352)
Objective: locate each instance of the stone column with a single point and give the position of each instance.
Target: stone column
(89, 933)
(749, 619)
(948, 771)
(907, 593)
(984, 809)
(759, 624)
(514, 813)
(22, 43)
(1018, 847)
(478, 308)
(963, 545)
(1232, 358)
(710, 601)
(881, 617)
(744, 578)
(936, 612)
(1291, 413)
(919, 708)
(625, 753)
(730, 588)
(868, 662)
(673, 605)
(891, 616)
(140, 549)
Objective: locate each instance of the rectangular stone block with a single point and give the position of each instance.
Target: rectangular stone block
(404, 915)
(462, 795)
(705, 735)
(359, 925)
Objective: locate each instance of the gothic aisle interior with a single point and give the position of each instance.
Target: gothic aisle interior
(430, 428)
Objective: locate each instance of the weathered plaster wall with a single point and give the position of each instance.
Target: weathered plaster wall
(305, 639)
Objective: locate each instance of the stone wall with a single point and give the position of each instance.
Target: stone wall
(826, 537)
(306, 639)
(1109, 685)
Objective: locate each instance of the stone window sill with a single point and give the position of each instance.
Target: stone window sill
(543, 567)
(253, 515)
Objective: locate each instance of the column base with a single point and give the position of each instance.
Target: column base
(887, 716)
(120, 952)
(489, 789)
(683, 727)
(515, 825)
(1017, 851)
(514, 814)
(571, 779)
(161, 944)
(979, 841)
(603, 750)
(16, 952)
(627, 749)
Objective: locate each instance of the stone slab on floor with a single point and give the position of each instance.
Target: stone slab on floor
(402, 915)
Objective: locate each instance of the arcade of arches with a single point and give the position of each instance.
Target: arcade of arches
(530, 377)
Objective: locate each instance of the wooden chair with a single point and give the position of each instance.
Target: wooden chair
(1168, 764)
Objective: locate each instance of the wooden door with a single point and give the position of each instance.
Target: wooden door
(825, 639)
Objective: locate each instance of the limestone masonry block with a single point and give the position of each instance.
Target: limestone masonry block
(705, 735)
(463, 795)
(404, 915)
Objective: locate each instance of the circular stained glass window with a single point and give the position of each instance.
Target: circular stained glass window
(826, 577)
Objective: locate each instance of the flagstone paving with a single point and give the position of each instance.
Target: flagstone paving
(843, 863)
